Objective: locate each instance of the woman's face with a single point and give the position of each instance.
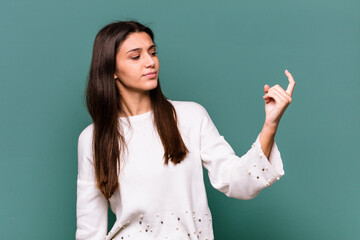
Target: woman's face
(135, 60)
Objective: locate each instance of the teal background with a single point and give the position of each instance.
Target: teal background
(219, 54)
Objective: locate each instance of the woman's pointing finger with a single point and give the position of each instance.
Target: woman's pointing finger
(292, 83)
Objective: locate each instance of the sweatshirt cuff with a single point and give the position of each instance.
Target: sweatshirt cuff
(272, 167)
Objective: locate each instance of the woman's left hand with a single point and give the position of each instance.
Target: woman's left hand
(277, 100)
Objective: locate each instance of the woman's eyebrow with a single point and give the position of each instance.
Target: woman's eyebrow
(137, 49)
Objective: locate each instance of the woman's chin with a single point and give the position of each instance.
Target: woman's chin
(152, 84)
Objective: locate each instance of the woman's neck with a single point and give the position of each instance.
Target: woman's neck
(135, 104)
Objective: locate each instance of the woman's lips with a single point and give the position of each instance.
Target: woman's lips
(151, 75)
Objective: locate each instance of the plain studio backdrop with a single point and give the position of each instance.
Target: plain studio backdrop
(219, 54)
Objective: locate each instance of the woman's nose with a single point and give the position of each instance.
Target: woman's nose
(149, 61)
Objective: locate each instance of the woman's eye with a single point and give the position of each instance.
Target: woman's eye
(137, 57)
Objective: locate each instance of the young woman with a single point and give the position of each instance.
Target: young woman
(143, 154)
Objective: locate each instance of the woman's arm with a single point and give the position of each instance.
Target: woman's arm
(237, 177)
(266, 138)
(91, 205)
(244, 177)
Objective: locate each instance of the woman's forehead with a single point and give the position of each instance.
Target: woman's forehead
(138, 41)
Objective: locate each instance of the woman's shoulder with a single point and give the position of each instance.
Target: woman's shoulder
(188, 108)
(189, 113)
(86, 134)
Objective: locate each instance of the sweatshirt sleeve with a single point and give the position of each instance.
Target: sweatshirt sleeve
(91, 205)
(237, 177)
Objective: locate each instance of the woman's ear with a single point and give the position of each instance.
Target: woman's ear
(115, 77)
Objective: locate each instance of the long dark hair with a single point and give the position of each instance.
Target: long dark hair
(104, 105)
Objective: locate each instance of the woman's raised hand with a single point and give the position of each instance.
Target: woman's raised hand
(277, 100)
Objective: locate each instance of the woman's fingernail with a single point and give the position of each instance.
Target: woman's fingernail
(286, 70)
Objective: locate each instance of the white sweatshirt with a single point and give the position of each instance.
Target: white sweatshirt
(157, 201)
